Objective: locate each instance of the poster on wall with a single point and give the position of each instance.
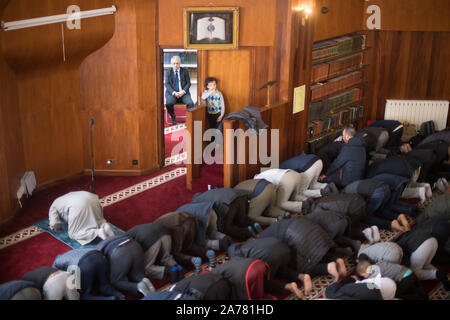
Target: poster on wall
(211, 28)
(299, 99)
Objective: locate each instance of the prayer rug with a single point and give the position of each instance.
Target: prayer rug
(64, 237)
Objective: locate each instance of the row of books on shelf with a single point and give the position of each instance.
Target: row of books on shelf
(317, 127)
(320, 90)
(185, 57)
(324, 71)
(316, 145)
(339, 46)
(192, 74)
(325, 106)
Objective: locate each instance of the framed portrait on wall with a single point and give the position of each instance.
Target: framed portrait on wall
(211, 28)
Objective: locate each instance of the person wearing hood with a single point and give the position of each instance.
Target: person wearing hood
(315, 253)
(251, 280)
(276, 254)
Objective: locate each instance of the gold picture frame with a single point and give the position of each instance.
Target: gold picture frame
(209, 28)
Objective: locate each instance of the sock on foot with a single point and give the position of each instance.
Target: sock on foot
(197, 262)
(250, 229)
(258, 227)
(212, 258)
(179, 273)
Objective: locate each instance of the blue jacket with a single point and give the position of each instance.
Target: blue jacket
(70, 258)
(350, 165)
(300, 163)
(10, 289)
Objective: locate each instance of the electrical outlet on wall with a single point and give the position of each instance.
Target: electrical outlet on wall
(135, 162)
(111, 162)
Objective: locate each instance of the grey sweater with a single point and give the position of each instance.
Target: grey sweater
(382, 251)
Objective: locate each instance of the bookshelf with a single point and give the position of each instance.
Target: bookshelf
(189, 61)
(337, 88)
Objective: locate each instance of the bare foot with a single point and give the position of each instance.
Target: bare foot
(395, 225)
(341, 267)
(332, 269)
(307, 283)
(292, 287)
(404, 222)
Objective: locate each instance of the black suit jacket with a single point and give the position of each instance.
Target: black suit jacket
(169, 80)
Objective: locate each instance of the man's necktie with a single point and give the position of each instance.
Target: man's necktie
(177, 82)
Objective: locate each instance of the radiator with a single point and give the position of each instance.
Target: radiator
(418, 111)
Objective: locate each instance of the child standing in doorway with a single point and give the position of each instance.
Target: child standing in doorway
(215, 103)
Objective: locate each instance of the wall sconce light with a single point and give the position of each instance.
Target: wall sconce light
(306, 11)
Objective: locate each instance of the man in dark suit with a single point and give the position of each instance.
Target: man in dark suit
(177, 84)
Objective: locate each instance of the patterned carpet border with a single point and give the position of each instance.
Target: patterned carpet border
(175, 128)
(176, 159)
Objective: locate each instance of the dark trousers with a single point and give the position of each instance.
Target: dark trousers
(236, 221)
(321, 269)
(94, 267)
(409, 288)
(212, 118)
(127, 268)
(171, 101)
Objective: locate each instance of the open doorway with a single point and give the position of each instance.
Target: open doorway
(180, 72)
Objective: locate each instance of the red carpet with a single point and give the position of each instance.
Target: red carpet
(30, 254)
(41, 250)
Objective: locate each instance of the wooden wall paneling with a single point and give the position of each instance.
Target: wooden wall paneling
(284, 46)
(48, 86)
(235, 172)
(409, 65)
(302, 76)
(194, 155)
(232, 69)
(150, 108)
(411, 15)
(369, 63)
(278, 52)
(256, 20)
(261, 74)
(343, 17)
(36, 47)
(51, 124)
(111, 94)
(420, 61)
(230, 171)
(439, 75)
(12, 164)
(5, 194)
